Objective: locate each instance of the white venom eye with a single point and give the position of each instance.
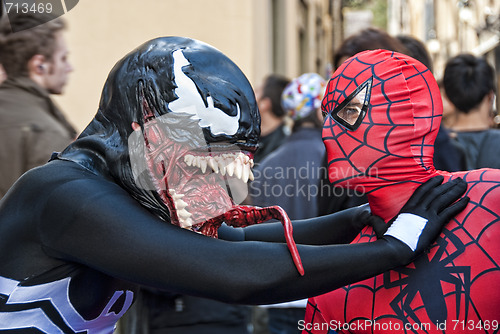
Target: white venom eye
(190, 102)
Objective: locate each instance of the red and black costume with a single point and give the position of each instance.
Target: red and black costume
(115, 209)
(383, 112)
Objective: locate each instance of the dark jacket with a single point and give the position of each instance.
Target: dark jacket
(482, 149)
(289, 177)
(270, 142)
(31, 128)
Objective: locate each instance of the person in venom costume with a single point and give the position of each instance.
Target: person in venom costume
(114, 210)
(383, 111)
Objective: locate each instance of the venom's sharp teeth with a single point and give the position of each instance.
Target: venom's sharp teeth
(203, 165)
(238, 165)
(246, 173)
(180, 206)
(185, 219)
(230, 167)
(213, 164)
(189, 222)
(185, 222)
(175, 195)
(238, 168)
(188, 159)
(222, 168)
(183, 214)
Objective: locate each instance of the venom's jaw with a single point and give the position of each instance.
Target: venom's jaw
(202, 187)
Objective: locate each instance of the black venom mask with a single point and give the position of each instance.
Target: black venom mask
(177, 126)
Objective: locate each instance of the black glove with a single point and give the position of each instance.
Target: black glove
(363, 217)
(423, 217)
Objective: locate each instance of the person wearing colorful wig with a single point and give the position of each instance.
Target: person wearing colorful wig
(289, 176)
(276, 179)
(382, 112)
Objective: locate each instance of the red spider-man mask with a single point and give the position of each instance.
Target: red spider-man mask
(382, 113)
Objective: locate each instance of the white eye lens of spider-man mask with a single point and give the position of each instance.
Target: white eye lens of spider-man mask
(351, 112)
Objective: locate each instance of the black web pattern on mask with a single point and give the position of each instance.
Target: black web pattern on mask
(335, 95)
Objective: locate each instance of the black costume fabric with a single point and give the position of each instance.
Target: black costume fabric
(83, 231)
(269, 143)
(449, 155)
(480, 147)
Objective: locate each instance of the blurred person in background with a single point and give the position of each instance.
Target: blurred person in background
(448, 155)
(281, 176)
(289, 177)
(469, 84)
(367, 39)
(279, 98)
(448, 107)
(416, 49)
(34, 56)
(273, 130)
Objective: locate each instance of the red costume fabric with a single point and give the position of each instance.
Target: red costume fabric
(386, 151)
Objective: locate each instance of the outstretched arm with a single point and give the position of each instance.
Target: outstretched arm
(110, 232)
(337, 228)
(342, 227)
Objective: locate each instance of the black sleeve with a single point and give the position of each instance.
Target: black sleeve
(101, 226)
(334, 199)
(337, 228)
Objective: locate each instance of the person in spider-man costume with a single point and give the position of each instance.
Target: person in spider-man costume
(383, 110)
(133, 200)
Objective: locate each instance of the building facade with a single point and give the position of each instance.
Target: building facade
(287, 37)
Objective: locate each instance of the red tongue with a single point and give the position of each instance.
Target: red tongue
(240, 216)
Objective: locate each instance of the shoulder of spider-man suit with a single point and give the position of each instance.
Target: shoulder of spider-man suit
(483, 185)
(489, 175)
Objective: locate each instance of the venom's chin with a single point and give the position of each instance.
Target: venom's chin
(207, 201)
(198, 204)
